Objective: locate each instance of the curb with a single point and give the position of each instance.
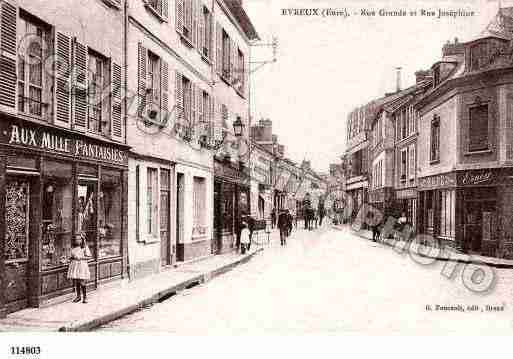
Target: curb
(156, 297)
(445, 259)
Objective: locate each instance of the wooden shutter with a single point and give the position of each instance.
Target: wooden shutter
(165, 9)
(8, 57)
(141, 74)
(194, 24)
(201, 28)
(179, 99)
(201, 114)
(179, 10)
(219, 48)
(63, 79)
(188, 17)
(194, 107)
(80, 59)
(233, 61)
(164, 90)
(116, 112)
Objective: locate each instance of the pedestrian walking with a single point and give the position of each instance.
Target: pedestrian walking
(321, 212)
(289, 223)
(273, 218)
(283, 227)
(244, 238)
(78, 269)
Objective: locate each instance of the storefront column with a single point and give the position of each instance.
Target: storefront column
(35, 237)
(459, 218)
(124, 224)
(3, 160)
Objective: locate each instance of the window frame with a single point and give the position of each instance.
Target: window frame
(101, 103)
(25, 100)
(486, 142)
(403, 164)
(434, 153)
(152, 199)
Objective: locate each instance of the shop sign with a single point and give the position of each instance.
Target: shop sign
(473, 178)
(406, 193)
(51, 141)
(377, 196)
(229, 172)
(443, 180)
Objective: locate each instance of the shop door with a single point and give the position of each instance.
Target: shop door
(17, 214)
(218, 224)
(165, 237)
(478, 223)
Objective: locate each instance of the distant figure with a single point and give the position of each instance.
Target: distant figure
(283, 225)
(273, 218)
(290, 220)
(321, 212)
(244, 238)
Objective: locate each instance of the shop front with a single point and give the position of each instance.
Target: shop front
(437, 205)
(382, 199)
(406, 202)
(55, 185)
(231, 203)
(486, 197)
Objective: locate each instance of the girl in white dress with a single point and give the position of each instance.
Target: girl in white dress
(78, 269)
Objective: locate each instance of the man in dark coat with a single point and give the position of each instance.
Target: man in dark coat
(283, 225)
(321, 212)
(273, 217)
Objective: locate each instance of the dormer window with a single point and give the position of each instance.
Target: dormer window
(478, 55)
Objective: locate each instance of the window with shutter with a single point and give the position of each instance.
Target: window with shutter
(159, 8)
(8, 22)
(478, 129)
(152, 201)
(62, 79)
(164, 82)
(411, 153)
(226, 56)
(219, 49)
(32, 80)
(141, 74)
(97, 81)
(116, 111)
(80, 86)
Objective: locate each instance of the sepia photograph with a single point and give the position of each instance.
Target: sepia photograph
(254, 168)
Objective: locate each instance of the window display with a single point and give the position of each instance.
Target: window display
(109, 212)
(87, 212)
(56, 214)
(16, 220)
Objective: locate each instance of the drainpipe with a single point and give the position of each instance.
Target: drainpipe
(125, 118)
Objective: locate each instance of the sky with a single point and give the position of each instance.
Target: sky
(328, 66)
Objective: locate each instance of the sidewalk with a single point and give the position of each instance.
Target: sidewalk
(107, 304)
(444, 255)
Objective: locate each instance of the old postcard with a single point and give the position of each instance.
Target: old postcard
(205, 167)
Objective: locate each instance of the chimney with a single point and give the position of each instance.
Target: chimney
(398, 83)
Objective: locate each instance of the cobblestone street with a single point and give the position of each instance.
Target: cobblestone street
(329, 280)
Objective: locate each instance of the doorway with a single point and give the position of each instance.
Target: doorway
(17, 242)
(165, 234)
(180, 206)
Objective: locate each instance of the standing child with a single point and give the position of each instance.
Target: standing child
(244, 238)
(78, 269)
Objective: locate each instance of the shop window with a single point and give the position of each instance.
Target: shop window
(152, 200)
(227, 207)
(17, 194)
(57, 214)
(86, 208)
(478, 131)
(447, 213)
(31, 77)
(109, 214)
(22, 162)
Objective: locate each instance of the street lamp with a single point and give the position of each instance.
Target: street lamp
(238, 127)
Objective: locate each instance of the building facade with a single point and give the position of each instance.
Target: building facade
(64, 158)
(464, 145)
